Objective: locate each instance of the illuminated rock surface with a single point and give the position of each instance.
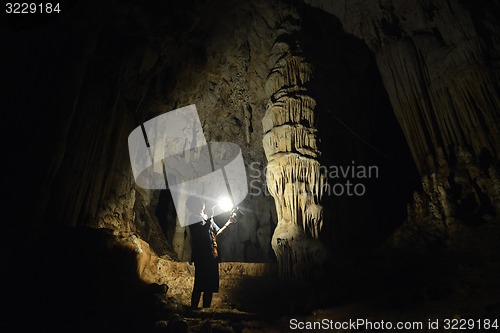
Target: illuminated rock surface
(293, 172)
(410, 87)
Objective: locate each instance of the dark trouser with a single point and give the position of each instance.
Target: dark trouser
(207, 299)
(206, 280)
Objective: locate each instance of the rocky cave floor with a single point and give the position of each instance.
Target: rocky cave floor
(381, 285)
(80, 290)
(389, 288)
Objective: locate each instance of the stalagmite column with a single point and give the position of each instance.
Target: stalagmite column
(293, 172)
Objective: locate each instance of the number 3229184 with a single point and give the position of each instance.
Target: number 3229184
(32, 8)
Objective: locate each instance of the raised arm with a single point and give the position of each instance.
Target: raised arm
(228, 223)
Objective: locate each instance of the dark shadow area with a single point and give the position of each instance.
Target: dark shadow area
(165, 211)
(64, 279)
(390, 284)
(366, 159)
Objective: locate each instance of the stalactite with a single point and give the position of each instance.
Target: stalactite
(290, 144)
(441, 77)
(449, 113)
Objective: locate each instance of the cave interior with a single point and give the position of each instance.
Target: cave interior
(370, 135)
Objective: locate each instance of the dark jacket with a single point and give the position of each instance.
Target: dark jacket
(203, 242)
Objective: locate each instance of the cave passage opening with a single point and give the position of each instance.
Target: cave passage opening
(358, 132)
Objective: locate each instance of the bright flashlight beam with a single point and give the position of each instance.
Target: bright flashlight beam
(225, 204)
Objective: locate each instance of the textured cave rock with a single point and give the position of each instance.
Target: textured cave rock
(283, 94)
(293, 173)
(133, 69)
(221, 67)
(439, 63)
(137, 67)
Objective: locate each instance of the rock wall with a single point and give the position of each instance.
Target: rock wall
(439, 63)
(221, 66)
(120, 68)
(107, 73)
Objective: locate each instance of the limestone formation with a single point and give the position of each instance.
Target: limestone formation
(88, 240)
(441, 75)
(293, 174)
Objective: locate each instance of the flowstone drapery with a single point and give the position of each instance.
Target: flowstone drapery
(290, 145)
(452, 125)
(439, 64)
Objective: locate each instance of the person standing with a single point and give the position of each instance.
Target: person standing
(204, 251)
